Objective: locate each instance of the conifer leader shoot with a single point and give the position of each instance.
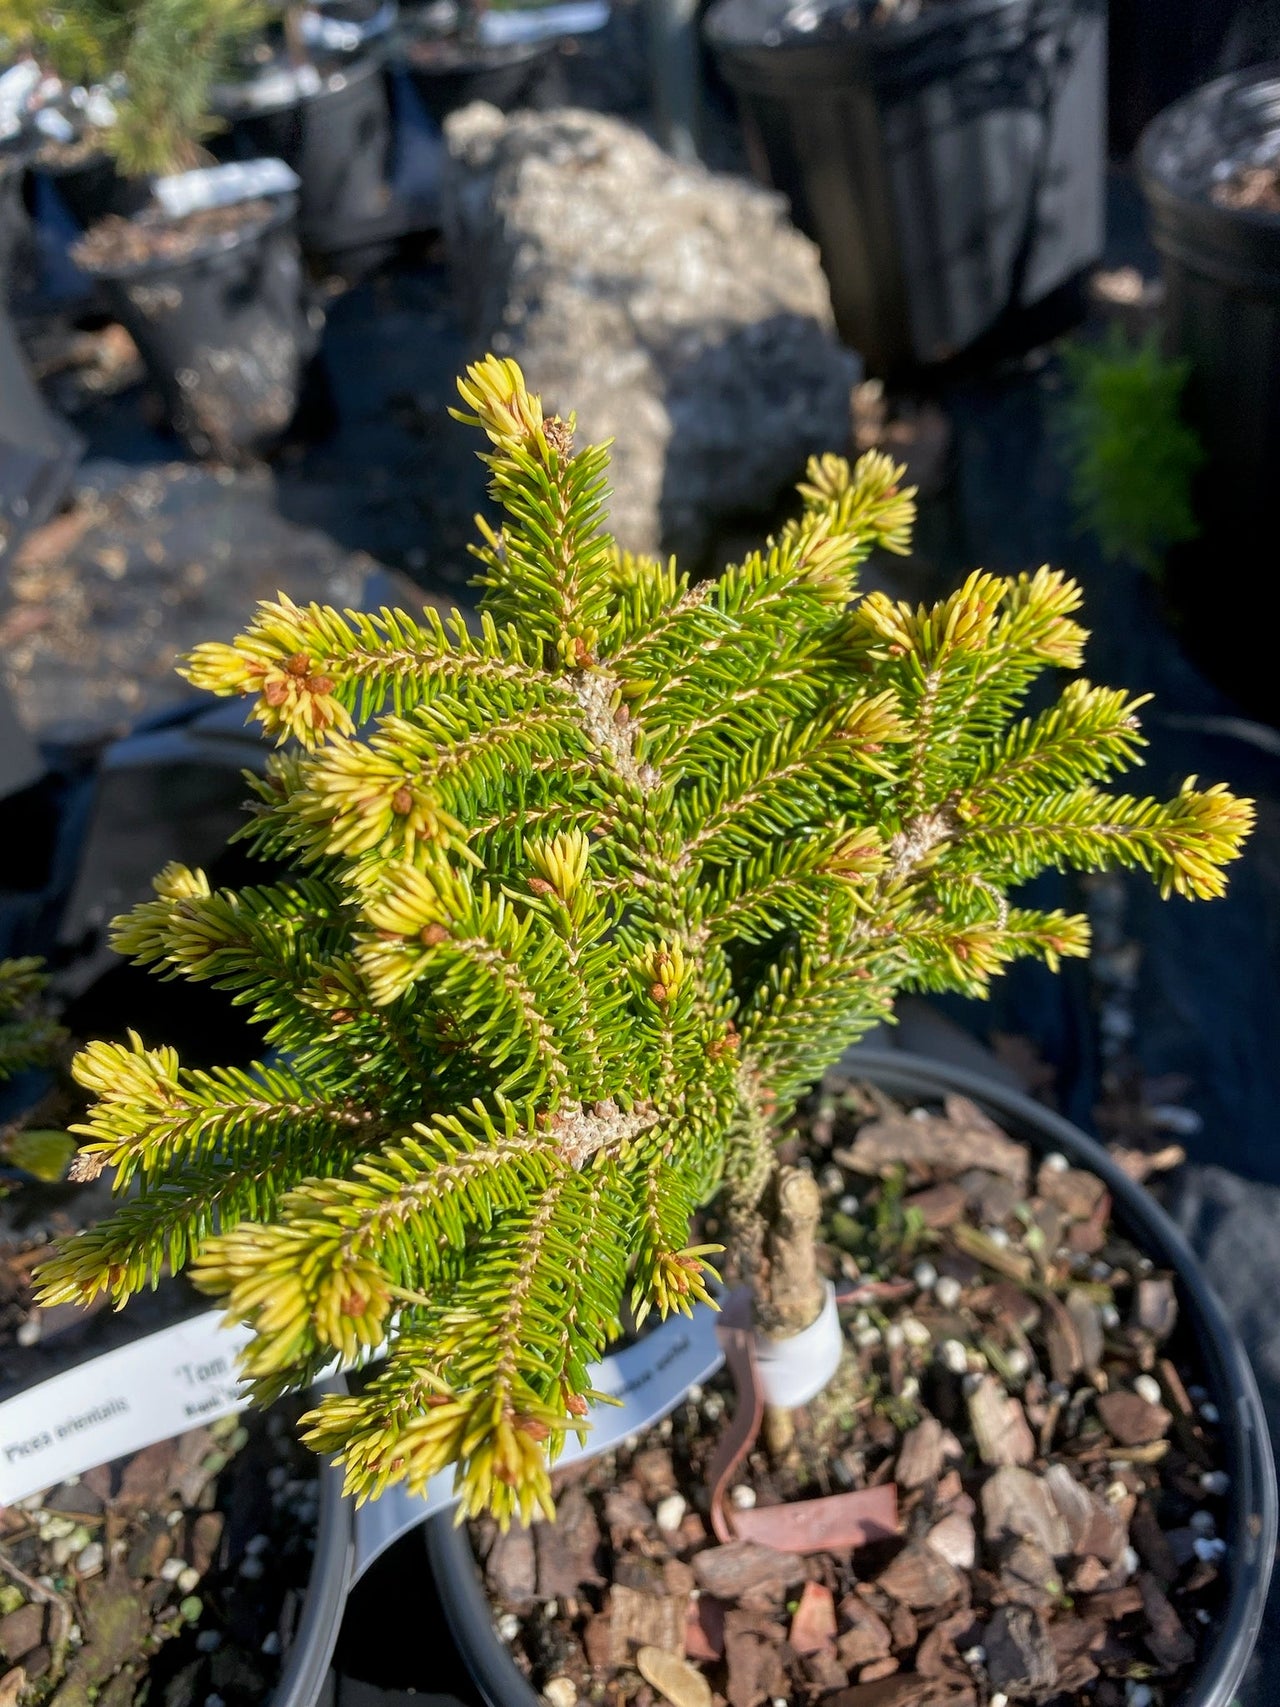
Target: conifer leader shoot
(580, 902)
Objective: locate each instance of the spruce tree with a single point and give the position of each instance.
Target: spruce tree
(579, 902)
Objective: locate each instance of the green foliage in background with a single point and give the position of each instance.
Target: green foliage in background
(160, 59)
(1132, 456)
(576, 903)
(29, 1037)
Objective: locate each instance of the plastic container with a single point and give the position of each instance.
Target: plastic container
(225, 334)
(337, 137)
(92, 188)
(1222, 278)
(447, 74)
(1251, 1535)
(950, 168)
(39, 453)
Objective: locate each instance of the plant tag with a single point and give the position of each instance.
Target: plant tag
(648, 1379)
(223, 186)
(132, 1397)
(539, 23)
(186, 1375)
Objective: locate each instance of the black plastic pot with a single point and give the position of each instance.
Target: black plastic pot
(1252, 1533)
(39, 454)
(447, 74)
(336, 139)
(950, 168)
(1222, 313)
(225, 334)
(13, 212)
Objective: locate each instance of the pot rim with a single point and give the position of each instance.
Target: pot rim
(1253, 1498)
(281, 215)
(307, 1666)
(1256, 86)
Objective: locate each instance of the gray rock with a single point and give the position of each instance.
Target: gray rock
(679, 312)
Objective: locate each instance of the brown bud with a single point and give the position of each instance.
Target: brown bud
(298, 665)
(275, 692)
(402, 801)
(342, 1016)
(430, 936)
(582, 654)
(659, 992)
(353, 1304)
(540, 886)
(534, 1427)
(319, 685)
(622, 716)
(576, 1405)
(556, 433)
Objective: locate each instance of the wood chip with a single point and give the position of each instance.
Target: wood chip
(999, 1425)
(1016, 1506)
(643, 1621)
(938, 1205)
(568, 1550)
(1156, 1306)
(813, 1626)
(1029, 1576)
(740, 1566)
(1074, 1191)
(934, 1148)
(1169, 1644)
(920, 1457)
(920, 1577)
(955, 1540)
(868, 1637)
(1020, 1656)
(682, 1684)
(753, 1652)
(1096, 1528)
(1131, 1419)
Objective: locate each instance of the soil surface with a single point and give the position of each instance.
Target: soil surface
(119, 245)
(1022, 1381)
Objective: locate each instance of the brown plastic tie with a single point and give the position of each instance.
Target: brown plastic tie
(834, 1522)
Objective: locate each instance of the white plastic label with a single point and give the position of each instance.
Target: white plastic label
(155, 1387)
(186, 1375)
(224, 186)
(794, 1370)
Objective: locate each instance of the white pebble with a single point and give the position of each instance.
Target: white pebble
(947, 1290)
(670, 1513)
(173, 1519)
(1018, 1363)
(271, 1642)
(999, 1699)
(1129, 1561)
(28, 1333)
(1215, 1482)
(1000, 1239)
(1056, 1162)
(848, 1204)
(213, 1699)
(868, 1336)
(1138, 1694)
(831, 1180)
(257, 1544)
(508, 1626)
(189, 1580)
(694, 1395)
(915, 1333)
(208, 1640)
(1117, 1493)
(89, 1559)
(1110, 1316)
(1201, 1523)
(955, 1357)
(1148, 1388)
(924, 1274)
(742, 1497)
(172, 1569)
(62, 1550)
(551, 1610)
(560, 1692)
(252, 1569)
(1210, 1413)
(1203, 1615)
(713, 1407)
(975, 1656)
(894, 1336)
(1100, 1271)
(910, 1389)
(972, 1381)
(1209, 1549)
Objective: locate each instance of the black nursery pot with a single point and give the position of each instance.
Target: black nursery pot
(447, 74)
(1222, 285)
(336, 139)
(224, 333)
(1251, 1535)
(950, 168)
(92, 188)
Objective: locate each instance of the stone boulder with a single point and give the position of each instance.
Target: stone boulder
(677, 310)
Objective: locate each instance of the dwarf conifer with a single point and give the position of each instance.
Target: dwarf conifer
(578, 902)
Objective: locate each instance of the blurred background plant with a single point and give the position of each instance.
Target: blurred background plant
(157, 58)
(1131, 455)
(29, 1038)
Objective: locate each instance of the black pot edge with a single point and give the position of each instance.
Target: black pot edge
(1247, 225)
(368, 61)
(1253, 1471)
(307, 1667)
(285, 211)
